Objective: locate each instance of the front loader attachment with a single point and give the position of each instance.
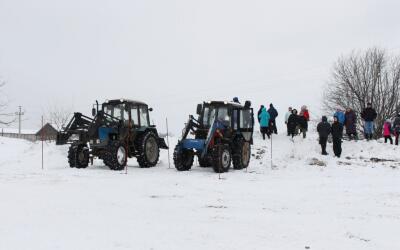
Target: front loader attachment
(78, 124)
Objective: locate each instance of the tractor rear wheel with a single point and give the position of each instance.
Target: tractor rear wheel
(222, 158)
(116, 156)
(242, 154)
(149, 150)
(78, 156)
(183, 159)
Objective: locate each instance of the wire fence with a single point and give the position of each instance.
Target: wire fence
(29, 137)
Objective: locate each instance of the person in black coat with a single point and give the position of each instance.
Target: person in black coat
(303, 124)
(369, 115)
(350, 122)
(337, 135)
(259, 112)
(273, 113)
(396, 128)
(324, 130)
(293, 122)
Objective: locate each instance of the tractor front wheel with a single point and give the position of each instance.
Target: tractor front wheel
(183, 159)
(116, 156)
(222, 158)
(78, 156)
(204, 163)
(149, 150)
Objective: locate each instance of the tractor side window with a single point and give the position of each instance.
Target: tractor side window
(235, 119)
(205, 116)
(143, 112)
(246, 119)
(134, 116)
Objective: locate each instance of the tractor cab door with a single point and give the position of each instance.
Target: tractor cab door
(144, 118)
(246, 123)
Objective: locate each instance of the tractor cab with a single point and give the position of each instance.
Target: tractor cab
(236, 118)
(130, 112)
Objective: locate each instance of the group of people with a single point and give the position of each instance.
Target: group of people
(392, 128)
(297, 123)
(267, 120)
(348, 120)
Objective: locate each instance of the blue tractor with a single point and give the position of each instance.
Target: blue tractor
(222, 135)
(119, 130)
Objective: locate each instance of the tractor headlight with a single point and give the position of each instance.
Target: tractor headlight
(98, 141)
(91, 141)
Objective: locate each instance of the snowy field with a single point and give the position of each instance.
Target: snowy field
(351, 203)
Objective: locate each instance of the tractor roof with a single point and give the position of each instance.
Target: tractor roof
(124, 100)
(225, 103)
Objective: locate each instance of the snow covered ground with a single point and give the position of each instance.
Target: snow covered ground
(351, 203)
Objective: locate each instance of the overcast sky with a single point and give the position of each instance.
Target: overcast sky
(174, 54)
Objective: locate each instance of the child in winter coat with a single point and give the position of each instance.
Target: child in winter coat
(387, 131)
(264, 122)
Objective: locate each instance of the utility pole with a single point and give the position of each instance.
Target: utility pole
(19, 113)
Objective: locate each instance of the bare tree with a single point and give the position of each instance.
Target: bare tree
(361, 77)
(58, 116)
(5, 118)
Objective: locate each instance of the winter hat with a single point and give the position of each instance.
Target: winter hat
(235, 99)
(294, 111)
(271, 105)
(324, 118)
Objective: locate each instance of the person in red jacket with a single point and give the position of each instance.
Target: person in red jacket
(304, 119)
(306, 114)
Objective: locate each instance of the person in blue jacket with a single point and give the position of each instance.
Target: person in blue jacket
(264, 122)
(339, 114)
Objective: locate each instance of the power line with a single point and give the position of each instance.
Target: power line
(19, 114)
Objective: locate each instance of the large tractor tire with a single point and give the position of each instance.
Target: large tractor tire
(116, 156)
(183, 159)
(242, 154)
(149, 150)
(222, 158)
(78, 156)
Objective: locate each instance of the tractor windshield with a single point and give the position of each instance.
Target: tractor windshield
(117, 111)
(220, 113)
